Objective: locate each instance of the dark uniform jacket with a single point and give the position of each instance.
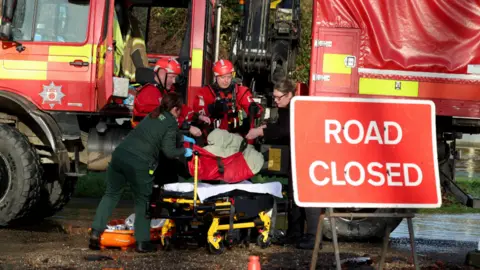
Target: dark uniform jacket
(279, 132)
(152, 137)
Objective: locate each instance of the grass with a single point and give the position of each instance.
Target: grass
(451, 206)
(93, 186)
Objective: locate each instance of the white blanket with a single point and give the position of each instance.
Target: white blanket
(207, 190)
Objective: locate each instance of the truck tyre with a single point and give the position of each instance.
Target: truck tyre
(55, 192)
(361, 229)
(20, 173)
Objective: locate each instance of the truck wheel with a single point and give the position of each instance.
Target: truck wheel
(20, 173)
(55, 193)
(361, 229)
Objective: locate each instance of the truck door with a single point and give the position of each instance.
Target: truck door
(104, 54)
(334, 67)
(58, 53)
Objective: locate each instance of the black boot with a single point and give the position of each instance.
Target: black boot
(95, 237)
(307, 242)
(293, 238)
(145, 247)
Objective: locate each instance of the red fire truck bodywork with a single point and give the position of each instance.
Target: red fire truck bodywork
(57, 66)
(399, 49)
(46, 75)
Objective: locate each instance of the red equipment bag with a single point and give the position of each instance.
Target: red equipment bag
(231, 169)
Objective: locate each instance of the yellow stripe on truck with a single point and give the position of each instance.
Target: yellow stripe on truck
(24, 65)
(369, 86)
(335, 64)
(197, 58)
(23, 70)
(70, 53)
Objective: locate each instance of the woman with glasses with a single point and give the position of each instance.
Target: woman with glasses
(279, 133)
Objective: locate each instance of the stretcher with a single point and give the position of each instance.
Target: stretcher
(216, 215)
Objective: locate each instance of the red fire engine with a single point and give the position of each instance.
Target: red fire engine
(60, 84)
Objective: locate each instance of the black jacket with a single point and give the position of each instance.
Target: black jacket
(279, 132)
(152, 137)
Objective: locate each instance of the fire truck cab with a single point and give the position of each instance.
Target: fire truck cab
(67, 69)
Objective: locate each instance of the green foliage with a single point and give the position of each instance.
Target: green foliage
(229, 18)
(302, 69)
(166, 29)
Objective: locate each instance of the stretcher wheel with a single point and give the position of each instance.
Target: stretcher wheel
(261, 243)
(215, 251)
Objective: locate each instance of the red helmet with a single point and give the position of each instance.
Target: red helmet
(169, 64)
(222, 67)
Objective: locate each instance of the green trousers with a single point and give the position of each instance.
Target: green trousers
(124, 169)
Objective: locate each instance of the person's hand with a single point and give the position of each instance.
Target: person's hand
(205, 119)
(221, 105)
(188, 152)
(218, 108)
(188, 139)
(253, 108)
(254, 133)
(195, 131)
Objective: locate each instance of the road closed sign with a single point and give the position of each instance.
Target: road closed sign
(369, 153)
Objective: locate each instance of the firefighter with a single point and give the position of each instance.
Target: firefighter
(166, 71)
(224, 101)
(133, 163)
(279, 133)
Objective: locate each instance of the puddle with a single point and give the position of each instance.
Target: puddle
(462, 227)
(469, 163)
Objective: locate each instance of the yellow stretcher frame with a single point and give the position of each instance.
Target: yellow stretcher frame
(213, 239)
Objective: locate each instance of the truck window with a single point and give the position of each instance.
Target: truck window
(51, 20)
(163, 28)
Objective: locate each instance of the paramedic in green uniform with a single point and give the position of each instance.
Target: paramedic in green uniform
(131, 163)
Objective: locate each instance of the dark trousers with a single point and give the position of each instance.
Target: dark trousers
(297, 216)
(126, 169)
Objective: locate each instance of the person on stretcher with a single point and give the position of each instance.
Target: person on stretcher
(166, 71)
(225, 102)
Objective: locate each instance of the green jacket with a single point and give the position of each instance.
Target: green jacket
(151, 136)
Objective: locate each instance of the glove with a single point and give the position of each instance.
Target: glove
(185, 126)
(188, 152)
(253, 108)
(188, 139)
(218, 108)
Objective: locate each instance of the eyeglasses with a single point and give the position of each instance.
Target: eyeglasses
(279, 97)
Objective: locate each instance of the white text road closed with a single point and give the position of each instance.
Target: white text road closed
(336, 132)
(364, 153)
(398, 174)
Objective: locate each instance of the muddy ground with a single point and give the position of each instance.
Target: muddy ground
(61, 243)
